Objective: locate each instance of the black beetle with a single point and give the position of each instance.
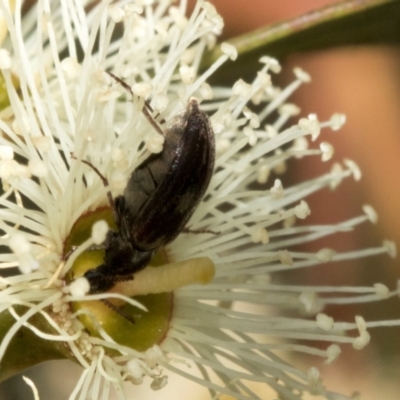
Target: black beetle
(160, 197)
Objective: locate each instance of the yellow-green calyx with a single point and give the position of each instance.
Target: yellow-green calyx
(150, 327)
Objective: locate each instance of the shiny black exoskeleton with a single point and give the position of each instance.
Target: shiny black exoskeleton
(160, 197)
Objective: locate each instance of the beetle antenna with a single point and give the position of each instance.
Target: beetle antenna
(147, 109)
(118, 310)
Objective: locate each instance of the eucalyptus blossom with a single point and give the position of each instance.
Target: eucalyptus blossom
(218, 304)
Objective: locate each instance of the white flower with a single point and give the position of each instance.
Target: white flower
(63, 103)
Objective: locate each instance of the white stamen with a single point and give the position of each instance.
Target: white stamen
(41, 143)
(32, 386)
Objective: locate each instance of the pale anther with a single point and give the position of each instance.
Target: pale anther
(206, 91)
(390, 247)
(314, 378)
(285, 257)
(116, 13)
(264, 78)
(153, 356)
(327, 151)
(370, 213)
(155, 143)
(229, 50)
(79, 287)
(332, 353)
(337, 121)
(241, 88)
(289, 109)
(142, 89)
(260, 235)
(99, 231)
(133, 8)
(277, 191)
(273, 63)
(337, 172)
(361, 341)
(118, 180)
(324, 322)
(160, 102)
(302, 210)
(302, 75)
(71, 67)
(135, 369)
(263, 174)
(309, 300)
(188, 74)
(354, 169)
(19, 244)
(251, 135)
(361, 324)
(159, 382)
(6, 152)
(382, 290)
(325, 255)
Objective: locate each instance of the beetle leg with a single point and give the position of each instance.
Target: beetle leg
(118, 310)
(101, 176)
